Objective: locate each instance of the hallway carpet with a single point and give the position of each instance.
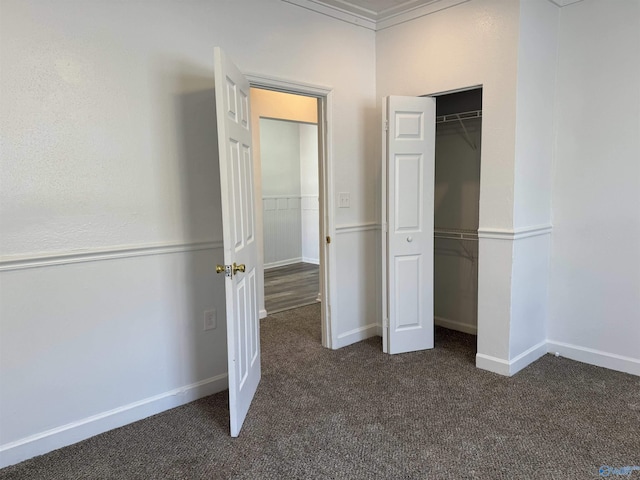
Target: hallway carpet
(357, 413)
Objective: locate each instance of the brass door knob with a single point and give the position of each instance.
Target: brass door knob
(238, 268)
(220, 269)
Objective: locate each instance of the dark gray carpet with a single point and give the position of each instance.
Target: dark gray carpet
(356, 413)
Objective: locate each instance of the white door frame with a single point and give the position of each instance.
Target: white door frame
(325, 180)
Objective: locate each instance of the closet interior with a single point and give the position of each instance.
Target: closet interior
(456, 215)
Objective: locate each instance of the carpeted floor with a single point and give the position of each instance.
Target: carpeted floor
(356, 413)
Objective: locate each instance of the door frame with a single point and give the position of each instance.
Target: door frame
(325, 189)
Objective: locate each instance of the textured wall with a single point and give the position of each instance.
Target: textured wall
(595, 255)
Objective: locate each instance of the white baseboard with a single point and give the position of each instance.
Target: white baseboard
(459, 326)
(43, 442)
(314, 261)
(356, 335)
(511, 367)
(263, 314)
(595, 357)
(282, 263)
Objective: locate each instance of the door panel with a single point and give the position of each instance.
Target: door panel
(236, 191)
(409, 177)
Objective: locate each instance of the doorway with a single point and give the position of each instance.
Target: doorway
(290, 216)
(456, 210)
(282, 105)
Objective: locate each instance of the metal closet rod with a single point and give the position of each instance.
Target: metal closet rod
(456, 117)
(455, 234)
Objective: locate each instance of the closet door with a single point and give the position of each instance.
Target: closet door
(408, 188)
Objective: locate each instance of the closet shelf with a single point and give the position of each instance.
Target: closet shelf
(455, 234)
(456, 117)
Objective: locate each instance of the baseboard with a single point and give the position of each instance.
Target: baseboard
(509, 368)
(458, 326)
(282, 263)
(595, 357)
(314, 261)
(40, 443)
(263, 314)
(356, 335)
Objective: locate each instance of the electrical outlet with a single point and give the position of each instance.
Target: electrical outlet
(344, 200)
(210, 320)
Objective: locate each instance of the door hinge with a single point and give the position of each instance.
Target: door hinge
(386, 125)
(328, 239)
(385, 322)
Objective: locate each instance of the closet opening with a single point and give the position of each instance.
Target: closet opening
(456, 212)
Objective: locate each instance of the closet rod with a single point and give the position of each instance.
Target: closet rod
(456, 117)
(456, 234)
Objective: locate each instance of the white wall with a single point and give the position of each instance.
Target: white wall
(595, 255)
(108, 151)
(280, 157)
(310, 210)
(282, 218)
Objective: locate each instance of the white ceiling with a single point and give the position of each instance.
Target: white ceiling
(380, 14)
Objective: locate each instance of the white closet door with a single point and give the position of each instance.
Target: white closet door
(409, 169)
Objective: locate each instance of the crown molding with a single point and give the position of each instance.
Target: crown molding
(564, 3)
(362, 17)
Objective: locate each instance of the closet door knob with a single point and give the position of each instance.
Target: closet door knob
(409, 239)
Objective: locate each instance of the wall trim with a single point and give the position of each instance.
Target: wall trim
(598, 358)
(43, 442)
(282, 263)
(362, 227)
(515, 234)
(453, 325)
(94, 255)
(314, 261)
(509, 368)
(356, 335)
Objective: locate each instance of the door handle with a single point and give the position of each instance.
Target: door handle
(238, 268)
(220, 268)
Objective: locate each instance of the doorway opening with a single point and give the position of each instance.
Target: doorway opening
(290, 215)
(456, 211)
(292, 181)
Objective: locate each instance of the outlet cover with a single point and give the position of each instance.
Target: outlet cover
(210, 320)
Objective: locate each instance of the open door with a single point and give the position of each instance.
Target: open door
(238, 225)
(407, 219)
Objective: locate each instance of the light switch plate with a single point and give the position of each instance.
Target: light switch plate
(344, 200)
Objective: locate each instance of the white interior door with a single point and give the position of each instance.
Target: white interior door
(408, 171)
(240, 250)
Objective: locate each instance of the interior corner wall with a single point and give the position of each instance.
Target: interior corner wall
(475, 43)
(535, 102)
(595, 249)
(109, 204)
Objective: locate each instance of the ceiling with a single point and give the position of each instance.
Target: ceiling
(380, 14)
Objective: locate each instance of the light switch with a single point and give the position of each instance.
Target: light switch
(344, 200)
